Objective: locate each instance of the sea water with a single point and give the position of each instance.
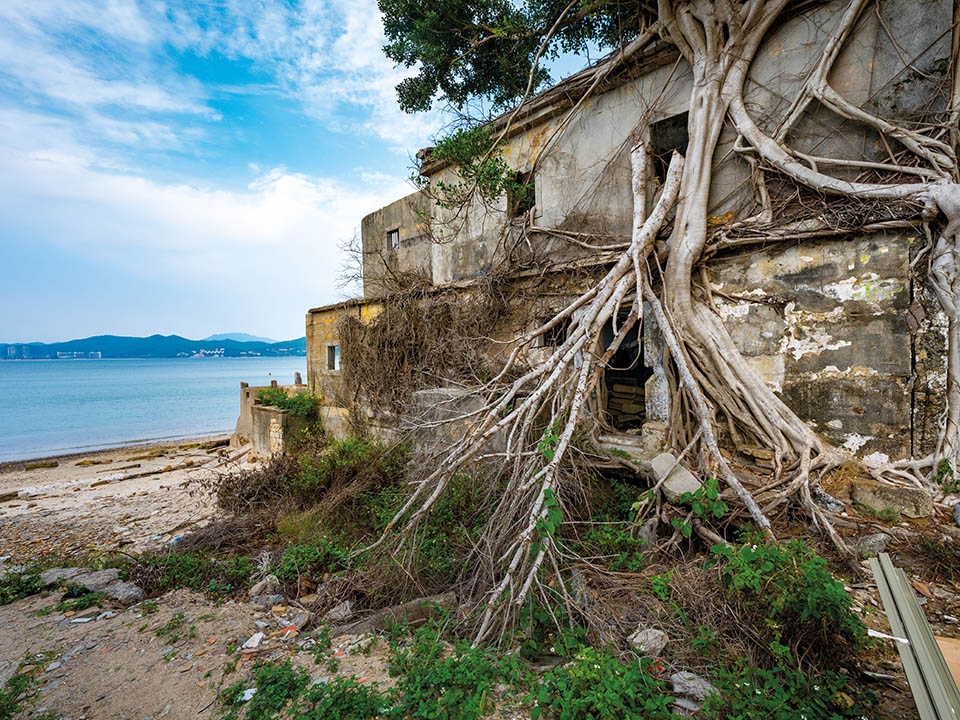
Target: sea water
(50, 407)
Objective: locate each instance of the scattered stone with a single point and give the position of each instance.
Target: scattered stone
(648, 641)
(870, 545)
(691, 685)
(8, 496)
(309, 599)
(59, 575)
(679, 481)
(123, 593)
(649, 530)
(53, 666)
(908, 501)
(253, 642)
(826, 500)
(685, 707)
(267, 586)
(248, 693)
(302, 620)
(265, 602)
(340, 613)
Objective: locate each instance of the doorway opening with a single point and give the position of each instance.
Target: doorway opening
(624, 378)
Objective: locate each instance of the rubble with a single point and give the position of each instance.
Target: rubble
(678, 481)
(648, 641)
(106, 582)
(910, 502)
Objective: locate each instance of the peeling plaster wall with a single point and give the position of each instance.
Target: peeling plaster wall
(825, 324)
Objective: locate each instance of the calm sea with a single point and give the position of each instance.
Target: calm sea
(49, 407)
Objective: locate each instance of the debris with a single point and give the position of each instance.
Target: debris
(265, 602)
(414, 612)
(685, 707)
(678, 481)
(648, 641)
(248, 693)
(302, 620)
(340, 613)
(908, 501)
(691, 685)
(253, 642)
(870, 544)
(267, 586)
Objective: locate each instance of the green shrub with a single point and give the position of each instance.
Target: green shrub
(750, 693)
(18, 585)
(791, 587)
(625, 552)
(311, 559)
(194, 570)
(302, 405)
(342, 698)
(278, 686)
(15, 694)
(598, 685)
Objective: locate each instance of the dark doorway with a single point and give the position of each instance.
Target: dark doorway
(624, 378)
(666, 136)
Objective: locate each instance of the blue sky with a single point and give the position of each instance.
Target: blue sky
(189, 168)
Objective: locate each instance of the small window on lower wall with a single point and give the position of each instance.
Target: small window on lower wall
(393, 239)
(333, 357)
(557, 335)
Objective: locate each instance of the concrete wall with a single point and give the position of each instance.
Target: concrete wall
(243, 432)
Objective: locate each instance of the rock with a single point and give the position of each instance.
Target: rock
(265, 602)
(679, 481)
(123, 593)
(302, 620)
(648, 641)
(826, 500)
(340, 613)
(309, 599)
(59, 575)
(869, 545)
(691, 685)
(279, 609)
(685, 707)
(649, 530)
(908, 501)
(267, 586)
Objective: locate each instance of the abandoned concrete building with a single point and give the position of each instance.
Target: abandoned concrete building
(839, 322)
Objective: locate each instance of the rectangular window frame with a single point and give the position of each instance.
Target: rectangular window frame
(333, 358)
(393, 239)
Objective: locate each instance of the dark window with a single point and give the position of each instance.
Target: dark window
(393, 239)
(665, 137)
(333, 357)
(557, 335)
(520, 200)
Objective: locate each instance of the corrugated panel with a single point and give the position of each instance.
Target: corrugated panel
(931, 683)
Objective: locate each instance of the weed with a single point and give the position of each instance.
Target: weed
(278, 685)
(598, 685)
(18, 585)
(170, 630)
(783, 694)
(615, 542)
(790, 585)
(78, 598)
(342, 698)
(148, 607)
(303, 405)
(16, 692)
(311, 560)
(886, 515)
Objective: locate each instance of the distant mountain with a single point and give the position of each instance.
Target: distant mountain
(155, 346)
(240, 337)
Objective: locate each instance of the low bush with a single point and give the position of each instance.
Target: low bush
(312, 559)
(750, 693)
(303, 405)
(597, 685)
(18, 585)
(801, 604)
(194, 570)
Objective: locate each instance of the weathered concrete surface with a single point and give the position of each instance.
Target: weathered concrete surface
(908, 501)
(106, 582)
(678, 481)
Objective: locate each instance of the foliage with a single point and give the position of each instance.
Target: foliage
(750, 693)
(195, 570)
(311, 560)
(484, 49)
(616, 542)
(342, 698)
(597, 685)
(946, 478)
(302, 405)
(790, 585)
(549, 630)
(18, 585)
(15, 694)
(78, 598)
(888, 515)
(479, 164)
(278, 685)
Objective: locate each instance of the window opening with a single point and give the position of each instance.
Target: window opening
(555, 336)
(333, 357)
(666, 136)
(625, 377)
(393, 239)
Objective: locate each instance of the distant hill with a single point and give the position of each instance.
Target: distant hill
(240, 337)
(155, 346)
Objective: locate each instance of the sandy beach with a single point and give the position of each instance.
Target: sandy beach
(131, 497)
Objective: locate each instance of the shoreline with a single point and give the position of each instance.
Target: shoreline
(79, 454)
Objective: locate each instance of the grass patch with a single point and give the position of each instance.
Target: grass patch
(41, 465)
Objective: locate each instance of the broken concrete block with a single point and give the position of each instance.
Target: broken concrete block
(869, 545)
(648, 641)
(96, 580)
(267, 586)
(653, 435)
(911, 502)
(123, 593)
(340, 613)
(59, 575)
(679, 481)
(691, 685)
